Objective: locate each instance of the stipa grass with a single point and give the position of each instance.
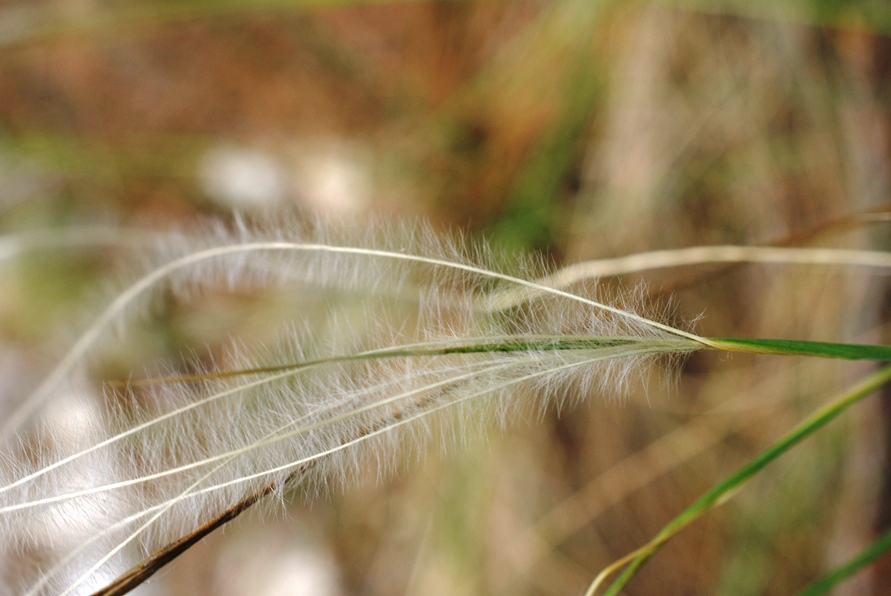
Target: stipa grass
(400, 346)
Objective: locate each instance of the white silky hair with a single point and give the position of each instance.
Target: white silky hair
(398, 347)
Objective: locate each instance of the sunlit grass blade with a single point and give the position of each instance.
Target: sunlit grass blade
(725, 490)
(849, 567)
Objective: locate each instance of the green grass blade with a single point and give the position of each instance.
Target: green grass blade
(728, 488)
(794, 347)
(563, 343)
(850, 567)
(480, 345)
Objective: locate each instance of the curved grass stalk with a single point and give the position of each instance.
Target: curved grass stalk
(696, 255)
(730, 486)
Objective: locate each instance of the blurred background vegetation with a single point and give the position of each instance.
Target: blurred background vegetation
(578, 129)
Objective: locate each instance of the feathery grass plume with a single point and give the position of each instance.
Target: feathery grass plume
(388, 345)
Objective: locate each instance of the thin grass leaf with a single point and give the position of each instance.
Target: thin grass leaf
(794, 347)
(725, 490)
(865, 557)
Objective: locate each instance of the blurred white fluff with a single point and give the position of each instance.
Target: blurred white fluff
(325, 176)
(385, 352)
(240, 178)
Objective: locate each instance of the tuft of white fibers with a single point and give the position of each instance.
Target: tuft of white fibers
(388, 344)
